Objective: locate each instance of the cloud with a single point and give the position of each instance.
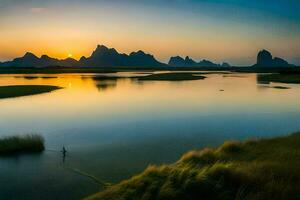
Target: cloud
(37, 10)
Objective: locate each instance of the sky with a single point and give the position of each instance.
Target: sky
(219, 30)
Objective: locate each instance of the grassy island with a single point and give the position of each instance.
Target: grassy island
(21, 144)
(171, 77)
(279, 78)
(254, 169)
(25, 90)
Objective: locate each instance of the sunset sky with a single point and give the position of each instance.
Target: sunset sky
(219, 30)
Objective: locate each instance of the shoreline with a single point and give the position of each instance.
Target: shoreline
(62, 70)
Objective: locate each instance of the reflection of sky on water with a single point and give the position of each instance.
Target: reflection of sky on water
(114, 128)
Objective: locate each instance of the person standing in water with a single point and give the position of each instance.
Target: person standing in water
(64, 152)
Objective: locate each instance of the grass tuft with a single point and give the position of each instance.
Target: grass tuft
(231, 147)
(22, 144)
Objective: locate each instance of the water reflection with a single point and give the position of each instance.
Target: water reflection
(115, 126)
(106, 85)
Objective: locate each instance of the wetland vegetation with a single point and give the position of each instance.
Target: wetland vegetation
(254, 169)
(31, 143)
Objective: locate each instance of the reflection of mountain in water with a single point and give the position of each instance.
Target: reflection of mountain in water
(106, 85)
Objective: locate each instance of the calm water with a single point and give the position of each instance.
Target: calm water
(115, 128)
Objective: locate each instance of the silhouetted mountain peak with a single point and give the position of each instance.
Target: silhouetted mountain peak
(187, 58)
(178, 61)
(45, 57)
(108, 57)
(29, 55)
(177, 58)
(265, 59)
(225, 64)
(102, 50)
(82, 59)
(141, 53)
(138, 53)
(69, 60)
(265, 52)
(189, 61)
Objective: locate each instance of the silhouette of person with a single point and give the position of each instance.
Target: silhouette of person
(64, 152)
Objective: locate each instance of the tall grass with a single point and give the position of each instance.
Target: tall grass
(31, 143)
(256, 170)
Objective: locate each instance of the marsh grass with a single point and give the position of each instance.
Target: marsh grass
(21, 144)
(25, 90)
(254, 169)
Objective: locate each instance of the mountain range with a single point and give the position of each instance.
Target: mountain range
(178, 61)
(103, 56)
(31, 60)
(109, 57)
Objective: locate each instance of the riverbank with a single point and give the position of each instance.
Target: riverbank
(254, 169)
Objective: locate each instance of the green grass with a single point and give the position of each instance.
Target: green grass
(25, 90)
(254, 170)
(21, 144)
(171, 77)
(279, 78)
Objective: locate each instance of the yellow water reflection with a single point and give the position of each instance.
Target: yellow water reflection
(114, 127)
(84, 93)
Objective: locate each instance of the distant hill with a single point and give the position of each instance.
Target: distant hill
(265, 59)
(109, 57)
(178, 61)
(31, 60)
